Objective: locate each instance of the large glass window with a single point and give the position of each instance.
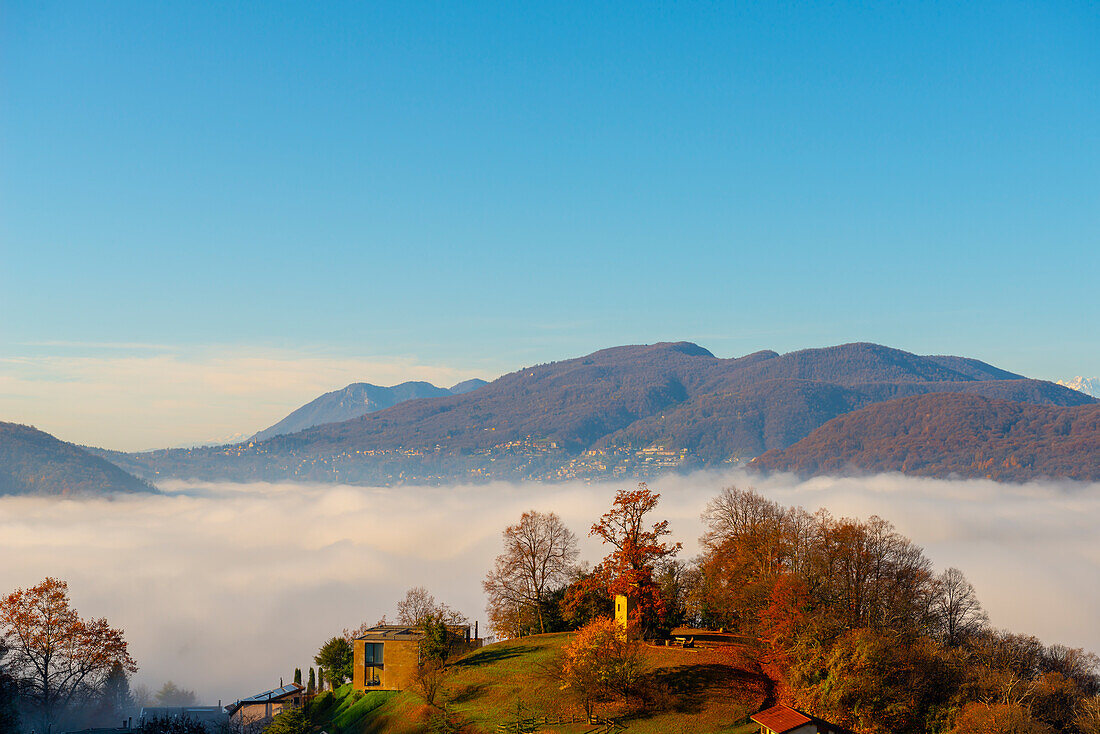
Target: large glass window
(372, 662)
(372, 653)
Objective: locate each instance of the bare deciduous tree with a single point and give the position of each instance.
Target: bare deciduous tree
(539, 553)
(956, 607)
(429, 679)
(1088, 715)
(419, 606)
(416, 606)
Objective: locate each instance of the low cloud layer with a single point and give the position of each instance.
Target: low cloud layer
(156, 396)
(225, 588)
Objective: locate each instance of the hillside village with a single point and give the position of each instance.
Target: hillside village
(527, 458)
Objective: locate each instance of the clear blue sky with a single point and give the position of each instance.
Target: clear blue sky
(489, 185)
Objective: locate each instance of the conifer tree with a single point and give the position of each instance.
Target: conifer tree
(320, 678)
(298, 676)
(115, 697)
(336, 657)
(9, 695)
(312, 687)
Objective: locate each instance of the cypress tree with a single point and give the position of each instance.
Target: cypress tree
(320, 678)
(298, 676)
(312, 687)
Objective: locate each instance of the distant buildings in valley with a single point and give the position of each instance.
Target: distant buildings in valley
(525, 458)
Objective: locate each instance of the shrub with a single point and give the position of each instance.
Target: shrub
(601, 663)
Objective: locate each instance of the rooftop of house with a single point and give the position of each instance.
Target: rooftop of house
(781, 718)
(384, 632)
(195, 713)
(273, 696)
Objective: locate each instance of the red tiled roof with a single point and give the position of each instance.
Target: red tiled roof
(781, 718)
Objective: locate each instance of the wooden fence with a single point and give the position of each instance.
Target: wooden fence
(532, 724)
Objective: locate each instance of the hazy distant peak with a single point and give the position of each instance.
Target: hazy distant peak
(689, 348)
(1087, 385)
(467, 386)
(356, 400)
(628, 351)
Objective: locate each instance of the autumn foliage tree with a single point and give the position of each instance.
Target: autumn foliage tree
(998, 718)
(637, 549)
(864, 633)
(539, 553)
(601, 662)
(60, 659)
(585, 599)
(1088, 715)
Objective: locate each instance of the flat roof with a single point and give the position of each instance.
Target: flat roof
(383, 632)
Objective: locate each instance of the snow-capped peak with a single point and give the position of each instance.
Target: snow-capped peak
(1087, 385)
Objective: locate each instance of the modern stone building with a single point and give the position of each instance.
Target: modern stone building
(387, 657)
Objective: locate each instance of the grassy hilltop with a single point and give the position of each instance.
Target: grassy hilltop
(700, 691)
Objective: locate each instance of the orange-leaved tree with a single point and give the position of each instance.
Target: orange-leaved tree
(998, 718)
(60, 658)
(585, 599)
(601, 662)
(629, 568)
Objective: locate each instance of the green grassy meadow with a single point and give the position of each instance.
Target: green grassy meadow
(700, 691)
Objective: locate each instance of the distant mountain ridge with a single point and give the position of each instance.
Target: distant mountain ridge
(623, 411)
(33, 462)
(358, 399)
(950, 435)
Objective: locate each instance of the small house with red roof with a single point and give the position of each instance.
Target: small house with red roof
(786, 720)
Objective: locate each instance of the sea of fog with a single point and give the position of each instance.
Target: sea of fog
(225, 588)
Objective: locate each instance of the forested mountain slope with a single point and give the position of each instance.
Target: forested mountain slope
(590, 415)
(35, 463)
(951, 435)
